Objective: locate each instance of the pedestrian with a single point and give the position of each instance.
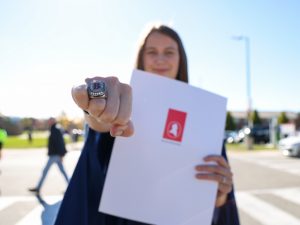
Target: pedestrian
(3, 136)
(56, 153)
(161, 52)
(29, 134)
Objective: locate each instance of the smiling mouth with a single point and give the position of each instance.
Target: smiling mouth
(159, 71)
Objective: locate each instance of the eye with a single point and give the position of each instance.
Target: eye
(151, 52)
(169, 53)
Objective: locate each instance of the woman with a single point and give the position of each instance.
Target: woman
(160, 52)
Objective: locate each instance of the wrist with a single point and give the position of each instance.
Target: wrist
(221, 200)
(97, 125)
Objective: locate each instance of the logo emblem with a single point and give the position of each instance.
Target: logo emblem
(174, 125)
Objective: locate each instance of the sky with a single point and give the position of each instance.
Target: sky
(48, 46)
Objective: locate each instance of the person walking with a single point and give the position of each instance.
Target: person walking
(3, 136)
(56, 152)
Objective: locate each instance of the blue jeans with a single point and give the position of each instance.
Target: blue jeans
(52, 159)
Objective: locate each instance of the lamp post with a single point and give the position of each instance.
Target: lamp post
(248, 81)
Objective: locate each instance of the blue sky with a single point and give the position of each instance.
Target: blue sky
(47, 46)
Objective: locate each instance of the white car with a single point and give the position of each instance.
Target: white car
(290, 146)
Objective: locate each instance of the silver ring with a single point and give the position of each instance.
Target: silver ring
(96, 89)
(224, 179)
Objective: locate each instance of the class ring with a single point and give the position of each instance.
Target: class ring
(96, 89)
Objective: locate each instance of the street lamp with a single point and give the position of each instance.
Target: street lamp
(248, 81)
(248, 85)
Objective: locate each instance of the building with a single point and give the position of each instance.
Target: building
(240, 117)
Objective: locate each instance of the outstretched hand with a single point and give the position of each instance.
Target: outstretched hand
(111, 114)
(219, 172)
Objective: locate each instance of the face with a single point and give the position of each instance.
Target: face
(51, 121)
(161, 55)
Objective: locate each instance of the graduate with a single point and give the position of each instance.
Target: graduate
(107, 105)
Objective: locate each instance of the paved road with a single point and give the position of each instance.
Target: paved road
(267, 188)
(21, 169)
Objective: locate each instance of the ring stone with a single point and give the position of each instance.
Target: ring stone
(96, 89)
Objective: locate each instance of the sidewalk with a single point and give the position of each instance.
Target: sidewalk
(21, 169)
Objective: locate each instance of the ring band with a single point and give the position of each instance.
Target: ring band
(224, 180)
(96, 89)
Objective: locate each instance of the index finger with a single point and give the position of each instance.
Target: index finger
(80, 96)
(218, 159)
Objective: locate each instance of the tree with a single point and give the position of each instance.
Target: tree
(297, 121)
(63, 120)
(11, 125)
(255, 118)
(282, 118)
(230, 124)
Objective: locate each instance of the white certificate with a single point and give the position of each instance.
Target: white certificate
(151, 175)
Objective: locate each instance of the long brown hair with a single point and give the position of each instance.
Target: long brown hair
(182, 73)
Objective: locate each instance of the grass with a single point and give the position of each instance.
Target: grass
(40, 140)
(241, 147)
(20, 143)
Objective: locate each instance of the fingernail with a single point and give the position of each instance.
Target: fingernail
(198, 176)
(79, 87)
(206, 158)
(198, 167)
(119, 132)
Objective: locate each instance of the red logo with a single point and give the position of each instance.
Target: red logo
(175, 125)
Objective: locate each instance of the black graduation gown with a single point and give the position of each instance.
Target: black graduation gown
(82, 197)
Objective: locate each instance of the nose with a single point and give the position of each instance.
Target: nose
(160, 58)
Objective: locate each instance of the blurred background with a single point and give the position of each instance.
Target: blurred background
(247, 51)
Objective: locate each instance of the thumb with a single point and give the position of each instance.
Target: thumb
(80, 97)
(122, 130)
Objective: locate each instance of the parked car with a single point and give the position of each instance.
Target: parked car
(230, 136)
(290, 146)
(259, 133)
(75, 134)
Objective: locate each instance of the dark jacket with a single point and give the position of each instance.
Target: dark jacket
(56, 143)
(82, 198)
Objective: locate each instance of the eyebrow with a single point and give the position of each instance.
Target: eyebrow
(167, 48)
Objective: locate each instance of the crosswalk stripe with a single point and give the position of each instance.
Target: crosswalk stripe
(264, 212)
(7, 201)
(4, 204)
(290, 194)
(281, 165)
(36, 217)
(248, 202)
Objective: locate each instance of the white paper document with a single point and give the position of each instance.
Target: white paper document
(151, 175)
